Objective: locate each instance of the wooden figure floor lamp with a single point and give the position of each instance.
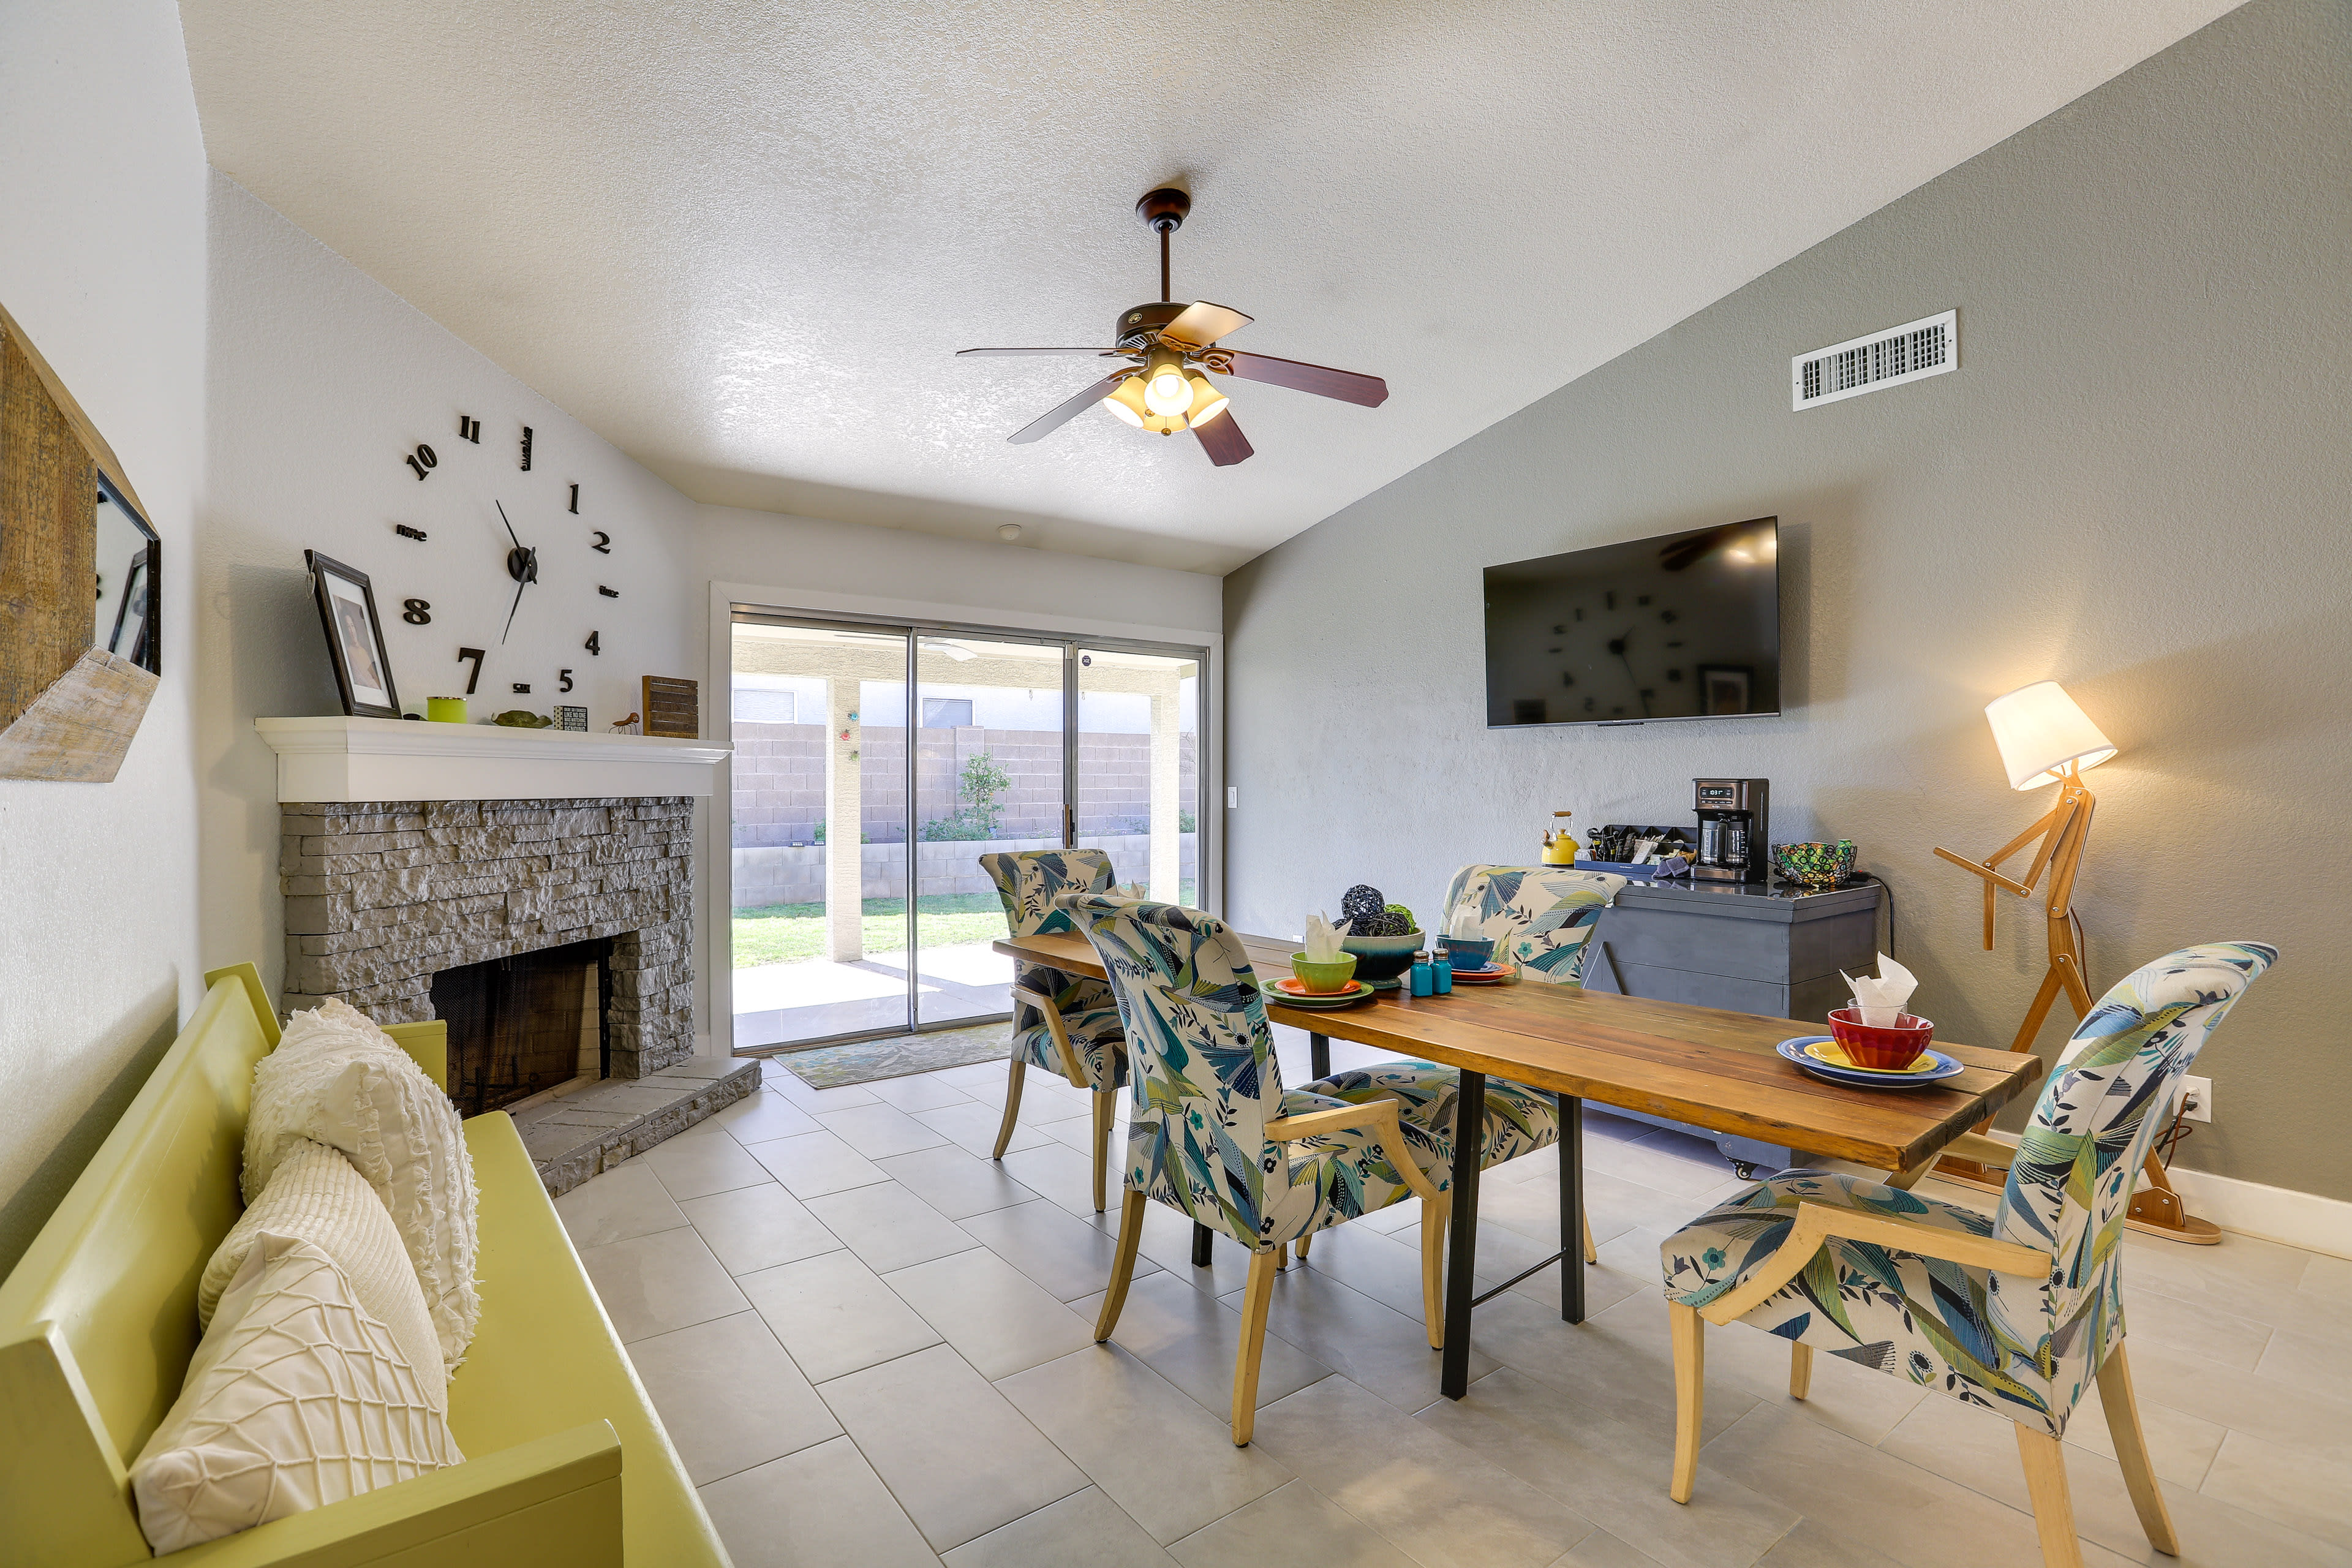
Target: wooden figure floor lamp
(2046, 738)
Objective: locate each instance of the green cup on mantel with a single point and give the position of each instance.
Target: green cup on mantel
(1324, 979)
(446, 710)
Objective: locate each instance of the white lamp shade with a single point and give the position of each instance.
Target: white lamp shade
(2040, 730)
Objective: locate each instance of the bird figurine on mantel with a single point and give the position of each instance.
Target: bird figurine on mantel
(628, 726)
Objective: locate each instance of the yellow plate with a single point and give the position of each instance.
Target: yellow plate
(1830, 1052)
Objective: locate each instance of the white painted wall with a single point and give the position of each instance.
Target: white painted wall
(322, 380)
(103, 263)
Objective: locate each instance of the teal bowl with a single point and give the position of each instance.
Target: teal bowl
(1472, 952)
(1382, 958)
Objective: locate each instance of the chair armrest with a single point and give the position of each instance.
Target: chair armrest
(1071, 1068)
(1378, 1117)
(1819, 1223)
(1984, 1150)
(556, 1499)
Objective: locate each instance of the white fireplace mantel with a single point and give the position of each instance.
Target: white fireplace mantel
(340, 759)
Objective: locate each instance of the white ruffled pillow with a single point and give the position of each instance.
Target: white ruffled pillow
(317, 1196)
(336, 1079)
(297, 1397)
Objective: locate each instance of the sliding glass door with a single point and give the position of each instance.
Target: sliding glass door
(876, 763)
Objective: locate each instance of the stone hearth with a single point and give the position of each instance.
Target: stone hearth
(380, 895)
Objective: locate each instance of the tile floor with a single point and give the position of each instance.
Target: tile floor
(874, 1347)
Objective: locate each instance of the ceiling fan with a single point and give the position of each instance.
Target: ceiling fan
(1168, 344)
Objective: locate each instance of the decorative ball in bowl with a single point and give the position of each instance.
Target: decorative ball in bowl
(1380, 958)
(1888, 1049)
(1323, 979)
(1472, 952)
(1815, 865)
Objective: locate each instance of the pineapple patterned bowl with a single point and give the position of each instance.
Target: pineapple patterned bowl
(1815, 867)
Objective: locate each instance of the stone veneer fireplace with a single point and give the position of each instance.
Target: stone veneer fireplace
(381, 896)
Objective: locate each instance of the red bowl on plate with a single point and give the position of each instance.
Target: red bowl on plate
(1883, 1050)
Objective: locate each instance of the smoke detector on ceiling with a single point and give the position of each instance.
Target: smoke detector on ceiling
(1913, 351)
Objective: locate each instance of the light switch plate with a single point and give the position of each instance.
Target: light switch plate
(1233, 798)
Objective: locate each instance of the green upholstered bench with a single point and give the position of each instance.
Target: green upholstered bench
(566, 1462)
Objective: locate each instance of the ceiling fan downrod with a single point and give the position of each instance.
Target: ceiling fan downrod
(1162, 211)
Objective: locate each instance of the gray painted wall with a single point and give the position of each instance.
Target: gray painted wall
(2135, 484)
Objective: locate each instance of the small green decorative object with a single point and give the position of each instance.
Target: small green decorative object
(518, 718)
(1815, 867)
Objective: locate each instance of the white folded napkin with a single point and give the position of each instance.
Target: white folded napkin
(1321, 944)
(1466, 924)
(1879, 1003)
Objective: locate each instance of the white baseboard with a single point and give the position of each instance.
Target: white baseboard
(2275, 1214)
(2249, 1208)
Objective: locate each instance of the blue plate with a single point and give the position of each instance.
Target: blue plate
(1854, 1077)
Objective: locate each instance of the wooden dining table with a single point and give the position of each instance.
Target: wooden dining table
(1702, 1066)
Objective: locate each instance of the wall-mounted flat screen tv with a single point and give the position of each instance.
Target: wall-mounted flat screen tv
(1685, 626)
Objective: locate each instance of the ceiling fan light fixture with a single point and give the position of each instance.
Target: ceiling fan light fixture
(1207, 402)
(1126, 400)
(1164, 389)
(1164, 424)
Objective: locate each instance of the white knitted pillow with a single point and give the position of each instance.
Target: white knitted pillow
(315, 1195)
(338, 1080)
(296, 1398)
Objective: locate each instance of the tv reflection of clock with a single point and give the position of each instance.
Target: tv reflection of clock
(523, 562)
(1635, 638)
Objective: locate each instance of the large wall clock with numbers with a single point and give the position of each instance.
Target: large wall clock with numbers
(475, 522)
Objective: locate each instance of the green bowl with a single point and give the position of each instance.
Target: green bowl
(1324, 979)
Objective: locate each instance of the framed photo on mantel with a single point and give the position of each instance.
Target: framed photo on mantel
(354, 638)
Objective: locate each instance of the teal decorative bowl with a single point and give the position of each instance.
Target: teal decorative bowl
(1380, 958)
(1815, 865)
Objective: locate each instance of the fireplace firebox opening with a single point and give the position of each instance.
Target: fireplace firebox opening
(527, 1023)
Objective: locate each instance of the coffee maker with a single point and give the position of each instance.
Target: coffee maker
(1731, 831)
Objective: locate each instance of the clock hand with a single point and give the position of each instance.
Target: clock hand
(503, 518)
(511, 610)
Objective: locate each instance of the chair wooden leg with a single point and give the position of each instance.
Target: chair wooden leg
(1012, 1105)
(1591, 1253)
(1801, 1371)
(1256, 1297)
(2054, 1507)
(1433, 1215)
(1122, 1264)
(2122, 1405)
(1302, 1247)
(1103, 1119)
(1690, 1395)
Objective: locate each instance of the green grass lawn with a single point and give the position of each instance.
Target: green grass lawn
(783, 934)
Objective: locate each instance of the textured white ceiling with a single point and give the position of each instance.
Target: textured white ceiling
(740, 238)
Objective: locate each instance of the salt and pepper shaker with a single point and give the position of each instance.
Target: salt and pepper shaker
(1423, 976)
(1441, 974)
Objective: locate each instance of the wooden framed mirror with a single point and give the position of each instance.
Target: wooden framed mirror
(80, 583)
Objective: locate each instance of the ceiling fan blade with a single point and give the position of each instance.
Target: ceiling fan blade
(1045, 424)
(960, 352)
(1224, 441)
(1346, 385)
(1202, 323)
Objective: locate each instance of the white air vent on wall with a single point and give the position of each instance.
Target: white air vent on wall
(1908, 352)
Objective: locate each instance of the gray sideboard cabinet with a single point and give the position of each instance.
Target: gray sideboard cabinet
(1770, 950)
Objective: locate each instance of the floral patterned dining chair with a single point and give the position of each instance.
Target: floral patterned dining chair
(1540, 920)
(1213, 1134)
(1064, 1023)
(2019, 1313)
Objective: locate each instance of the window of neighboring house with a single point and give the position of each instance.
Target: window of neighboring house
(755, 706)
(947, 712)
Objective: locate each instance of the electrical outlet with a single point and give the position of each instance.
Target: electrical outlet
(2197, 1099)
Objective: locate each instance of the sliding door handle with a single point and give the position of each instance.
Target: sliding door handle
(1069, 826)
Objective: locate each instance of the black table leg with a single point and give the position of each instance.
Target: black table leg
(1572, 1208)
(1201, 1236)
(1462, 1246)
(1319, 1056)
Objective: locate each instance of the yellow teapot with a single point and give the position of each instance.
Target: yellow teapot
(1560, 848)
